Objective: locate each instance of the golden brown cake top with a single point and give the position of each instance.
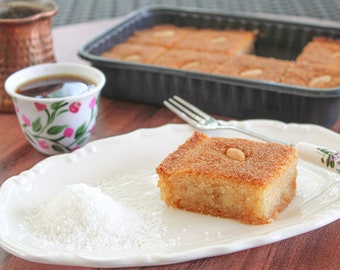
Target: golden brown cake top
(202, 155)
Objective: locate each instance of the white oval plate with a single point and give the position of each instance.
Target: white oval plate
(126, 164)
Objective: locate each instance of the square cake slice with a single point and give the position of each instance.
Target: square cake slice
(254, 67)
(321, 50)
(313, 75)
(229, 177)
(228, 42)
(164, 35)
(190, 60)
(134, 53)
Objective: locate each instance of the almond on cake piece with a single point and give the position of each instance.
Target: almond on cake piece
(229, 177)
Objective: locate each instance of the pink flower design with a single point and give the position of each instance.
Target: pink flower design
(39, 106)
(93, 103)
(26, 120)
(43, 144)
(68, 132)
(74, 107)
(16, 108)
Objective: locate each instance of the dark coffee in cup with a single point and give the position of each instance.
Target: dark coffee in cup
(55, 87)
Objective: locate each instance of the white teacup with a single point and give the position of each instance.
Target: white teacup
(55, 125)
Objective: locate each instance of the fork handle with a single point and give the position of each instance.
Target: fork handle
(320, 156)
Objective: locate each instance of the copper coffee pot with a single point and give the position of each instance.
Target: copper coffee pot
(25, 39)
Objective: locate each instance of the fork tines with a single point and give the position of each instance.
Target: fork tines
(185, 110)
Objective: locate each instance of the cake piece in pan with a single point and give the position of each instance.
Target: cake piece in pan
(254, 67)
(229, 42)
(321, 50)
(229, 177)
(313, 75)
(165, 35)
(190, 60)
(134, 52)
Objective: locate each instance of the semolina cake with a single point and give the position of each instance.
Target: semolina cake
(230, 52)
(254, 67)
(134, 53)
(229, 177)
(164, 35)
(313, 75)
(321, 50)
(190, 60)
(228, 42)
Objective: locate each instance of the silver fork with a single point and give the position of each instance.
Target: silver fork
(203, 121)
(318, 155)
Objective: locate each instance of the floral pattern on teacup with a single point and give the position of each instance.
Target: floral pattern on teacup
(46, 134)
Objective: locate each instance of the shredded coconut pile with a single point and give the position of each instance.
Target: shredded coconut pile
(82, 216)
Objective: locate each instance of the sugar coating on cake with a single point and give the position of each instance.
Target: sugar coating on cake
(229, 177)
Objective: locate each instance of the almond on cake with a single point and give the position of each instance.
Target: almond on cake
(229, 177)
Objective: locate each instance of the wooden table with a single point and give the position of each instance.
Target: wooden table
(318, 249)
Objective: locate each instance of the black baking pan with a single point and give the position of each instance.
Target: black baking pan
(281, 37)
